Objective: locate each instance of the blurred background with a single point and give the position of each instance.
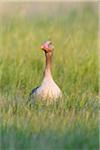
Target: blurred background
(30, 9)
(72, 123)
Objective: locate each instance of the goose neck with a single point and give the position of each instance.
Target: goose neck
(47, 72)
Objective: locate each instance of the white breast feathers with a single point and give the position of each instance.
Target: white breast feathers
(48, 90)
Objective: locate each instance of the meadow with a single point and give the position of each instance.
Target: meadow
(72, 122)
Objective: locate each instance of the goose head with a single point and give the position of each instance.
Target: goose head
(47, 47)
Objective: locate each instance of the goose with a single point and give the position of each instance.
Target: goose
(48, 90)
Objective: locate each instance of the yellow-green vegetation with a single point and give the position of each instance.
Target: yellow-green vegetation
(69, 124)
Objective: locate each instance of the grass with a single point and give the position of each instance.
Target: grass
(72, 122)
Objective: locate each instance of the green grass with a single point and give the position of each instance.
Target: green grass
(72, 122)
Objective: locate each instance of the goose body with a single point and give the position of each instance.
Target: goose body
(48, 90)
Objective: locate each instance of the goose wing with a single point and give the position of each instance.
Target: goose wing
(31, 95)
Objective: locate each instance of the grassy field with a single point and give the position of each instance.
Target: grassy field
(72, 122)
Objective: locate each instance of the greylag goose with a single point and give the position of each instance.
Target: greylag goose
(48, 90)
